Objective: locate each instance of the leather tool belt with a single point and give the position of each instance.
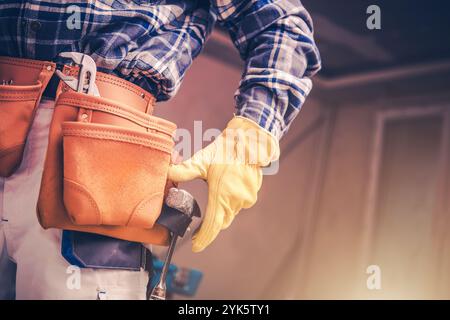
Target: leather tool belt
(107, 159)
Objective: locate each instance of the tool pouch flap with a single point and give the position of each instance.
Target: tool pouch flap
(106, 169)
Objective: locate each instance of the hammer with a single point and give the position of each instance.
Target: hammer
(179, 202)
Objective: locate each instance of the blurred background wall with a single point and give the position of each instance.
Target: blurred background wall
(364, 171)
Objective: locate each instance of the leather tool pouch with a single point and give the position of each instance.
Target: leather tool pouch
(21, 87)
(114, 174)
(106, 168)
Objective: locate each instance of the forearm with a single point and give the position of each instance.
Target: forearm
(276, 41)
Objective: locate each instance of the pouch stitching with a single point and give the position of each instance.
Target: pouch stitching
(31, 95)
(119, 138)
(23, 61)
(34, 88)
(23, 92)
(104, 131)
(27, 95)
(138, 210)
(148, 124)
(95, 133)
(123, 84)
(127, 86)
(81, 189)
(141, 135)
(14, 98)
(141, 118)
(76, 102)
(34, 65)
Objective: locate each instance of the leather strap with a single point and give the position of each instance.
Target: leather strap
(110, 86)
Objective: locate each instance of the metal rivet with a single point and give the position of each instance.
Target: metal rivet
(84, 116)
(142, 95)
(49, 68)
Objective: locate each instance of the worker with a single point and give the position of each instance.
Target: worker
(151, 44)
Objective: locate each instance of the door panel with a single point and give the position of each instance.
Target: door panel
(384, 202)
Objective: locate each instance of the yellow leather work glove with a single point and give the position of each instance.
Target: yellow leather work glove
(231, 165)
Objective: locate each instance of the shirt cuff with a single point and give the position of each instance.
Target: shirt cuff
(264, 115)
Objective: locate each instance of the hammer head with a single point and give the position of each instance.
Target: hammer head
(182, 201)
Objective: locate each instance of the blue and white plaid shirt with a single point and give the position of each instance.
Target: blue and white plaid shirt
(152, 43)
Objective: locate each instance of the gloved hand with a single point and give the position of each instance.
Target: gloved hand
(231, 165)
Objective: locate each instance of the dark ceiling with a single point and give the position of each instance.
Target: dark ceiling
(412, 32)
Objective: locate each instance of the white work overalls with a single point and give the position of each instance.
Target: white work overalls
(31, 255)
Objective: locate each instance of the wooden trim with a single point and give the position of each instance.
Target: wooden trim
(382, 75)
